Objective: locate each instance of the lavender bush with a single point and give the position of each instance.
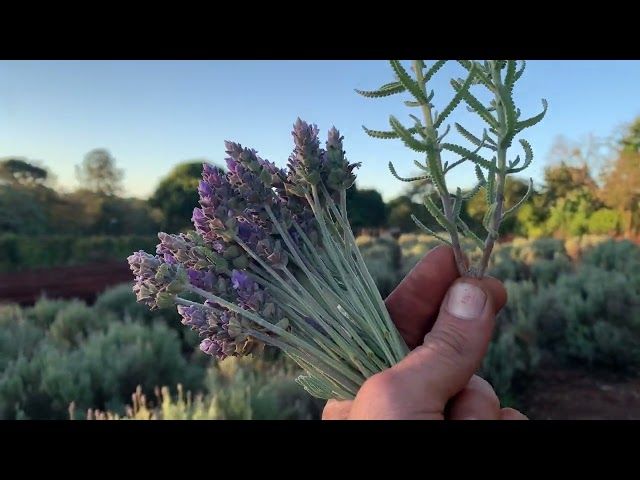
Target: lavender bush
(274, 261)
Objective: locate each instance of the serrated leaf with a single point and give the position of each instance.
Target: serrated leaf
(474, 191)
(510, 115)
(380, 133)
(457, 98)
(406, 80)
(520, 72)
(480, 109)
(429, 231)
(530, 122)
(433, 70)
(409, 103)
(468, 154)
(408, 179)
(446, 132)
(406, 136)
(522, 201)
(448, 167)
(384, 91)
(487, 220)
(420, 166)
(435, 169)
(437, 214)
(491, 185)
(471, 137)
(466, 231)
(457, 204)
(528, 158)
(479, 174)
(509, 79)
(481, 77)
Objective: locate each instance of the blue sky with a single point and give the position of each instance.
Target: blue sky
(152, 115)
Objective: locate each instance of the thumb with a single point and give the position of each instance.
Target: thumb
(454, 348)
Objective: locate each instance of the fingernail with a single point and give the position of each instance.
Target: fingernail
(466, 301)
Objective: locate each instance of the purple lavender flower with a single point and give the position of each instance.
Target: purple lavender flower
(204, 279)
(337, 171)
(156, 282)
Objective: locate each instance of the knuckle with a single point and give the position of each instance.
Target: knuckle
(449, 343)
(380, 387)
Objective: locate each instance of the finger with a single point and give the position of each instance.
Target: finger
(337, 410)
(414, 304)
(453, 350)
(512, 414)
(477, 401)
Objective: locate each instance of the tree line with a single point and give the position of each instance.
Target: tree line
(572, 199)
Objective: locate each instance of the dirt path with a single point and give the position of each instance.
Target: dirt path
(578, 394)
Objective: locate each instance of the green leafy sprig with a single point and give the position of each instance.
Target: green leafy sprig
(488, 153)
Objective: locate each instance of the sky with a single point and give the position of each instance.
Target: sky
(152, 115)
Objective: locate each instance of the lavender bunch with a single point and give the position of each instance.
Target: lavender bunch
(273, 260)
(504, 122)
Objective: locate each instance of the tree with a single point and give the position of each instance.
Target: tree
(177, 195)
(365, 208)
(99, 174)
(630, 142)
(18, 171)
(621, 189)
(621, 179)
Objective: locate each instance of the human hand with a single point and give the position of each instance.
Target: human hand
(448, 323)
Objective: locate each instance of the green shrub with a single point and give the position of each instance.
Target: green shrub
(129, 354)
(38, 385)
(619, 256)
(513, 354)
(24, 252)
(74, 323)
(44, 312)
(18, 335)
(599, 311)
(121, 302)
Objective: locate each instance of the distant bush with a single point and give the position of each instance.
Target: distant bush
(599, 311)
(121, 302)
(74, 323)
(605, 222)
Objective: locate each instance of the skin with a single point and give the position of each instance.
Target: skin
(437, 380)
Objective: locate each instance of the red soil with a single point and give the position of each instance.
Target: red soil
(84, 282)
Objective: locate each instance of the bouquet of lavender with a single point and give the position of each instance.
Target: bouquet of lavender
(274, 261)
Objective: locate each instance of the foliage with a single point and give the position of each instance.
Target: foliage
(177, 195)
(365, 208)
